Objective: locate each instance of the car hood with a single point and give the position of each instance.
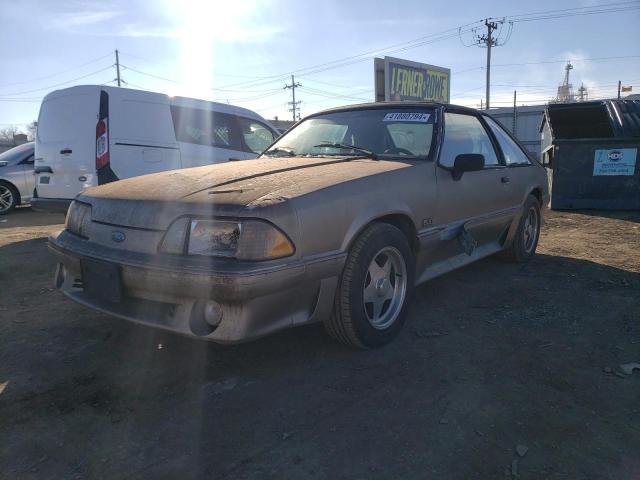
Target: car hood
(153, 201)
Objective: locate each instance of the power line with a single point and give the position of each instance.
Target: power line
(58, 84)
(425, 40)
(596, 11)
(177, 82)
(46, 77)
(217, 74)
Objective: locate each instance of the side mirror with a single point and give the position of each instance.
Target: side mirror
(467, 162)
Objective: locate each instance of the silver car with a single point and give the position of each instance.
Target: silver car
(16, 177)
(336, 222)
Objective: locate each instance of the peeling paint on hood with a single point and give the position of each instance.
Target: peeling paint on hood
(153, 201)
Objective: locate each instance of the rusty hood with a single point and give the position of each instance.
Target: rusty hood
(228, 189)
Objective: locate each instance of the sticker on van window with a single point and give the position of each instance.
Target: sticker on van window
(406, 117)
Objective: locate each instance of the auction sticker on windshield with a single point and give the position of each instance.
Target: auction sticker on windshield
(406, 117)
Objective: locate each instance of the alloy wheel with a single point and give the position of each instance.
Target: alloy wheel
(385, 288)
(530, 230)
(6, 198)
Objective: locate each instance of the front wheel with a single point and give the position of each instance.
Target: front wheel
(8, 198)
(375, 288)
(525, 242)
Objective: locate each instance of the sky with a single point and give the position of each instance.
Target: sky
(243, 52)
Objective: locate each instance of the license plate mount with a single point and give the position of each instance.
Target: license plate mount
(102, 280)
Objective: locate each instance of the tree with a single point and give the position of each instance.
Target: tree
(7, 134)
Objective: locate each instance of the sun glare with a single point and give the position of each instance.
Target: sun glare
(202, 24)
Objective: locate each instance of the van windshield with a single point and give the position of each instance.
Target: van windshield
(383, 132)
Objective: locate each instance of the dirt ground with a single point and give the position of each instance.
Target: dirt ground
(494, 356)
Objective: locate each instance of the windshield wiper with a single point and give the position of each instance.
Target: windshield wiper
(274, 151)
(364, 151)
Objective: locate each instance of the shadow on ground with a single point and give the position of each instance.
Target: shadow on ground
(26, 216)
(626, 215)
(492, 356)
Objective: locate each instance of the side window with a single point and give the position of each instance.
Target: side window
(28, 160)
(256, 135)
(513, 155)
(465, 134)
(203, 127)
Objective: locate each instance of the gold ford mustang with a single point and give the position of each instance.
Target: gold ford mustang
(336, 222)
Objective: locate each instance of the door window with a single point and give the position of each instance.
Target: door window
(513, 155)
(28, 160)
(465, 134)
(204, 127)
(256, 135)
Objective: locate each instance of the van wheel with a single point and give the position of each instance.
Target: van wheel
(8, 197)
(375, 289)
(525, 242)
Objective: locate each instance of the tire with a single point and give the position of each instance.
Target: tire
(525, 242)
(8, 198)
(384, 250)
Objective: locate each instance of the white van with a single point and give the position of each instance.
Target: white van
(90, 135)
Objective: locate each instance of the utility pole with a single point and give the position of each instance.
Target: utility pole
(515, 116)
(293, 103)
(480, 104)
(491, 26)
(582, 91)
(489, 41)
(117, 67)
(619, 87)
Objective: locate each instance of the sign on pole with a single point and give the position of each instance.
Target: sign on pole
(404, 80)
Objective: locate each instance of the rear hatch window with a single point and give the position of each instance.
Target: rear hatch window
(68, 117)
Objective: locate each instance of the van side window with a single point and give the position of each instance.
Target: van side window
(256, 135)
(202, 127)
(465, 134)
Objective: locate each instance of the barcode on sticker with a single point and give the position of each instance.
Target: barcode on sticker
(406, 117)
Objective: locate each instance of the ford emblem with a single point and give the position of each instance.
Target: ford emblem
(118, 236)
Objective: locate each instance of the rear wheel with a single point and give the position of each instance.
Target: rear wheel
(525, 242)
(8, 197)
(375, 289)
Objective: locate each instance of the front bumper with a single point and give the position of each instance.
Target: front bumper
(51, 205)
(255, 298)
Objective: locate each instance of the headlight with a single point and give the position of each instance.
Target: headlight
(78, 218)
(245, 240)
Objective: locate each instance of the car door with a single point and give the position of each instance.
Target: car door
(473, 211)
(28, 183)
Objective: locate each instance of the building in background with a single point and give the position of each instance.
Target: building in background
(526, 122)
(282, 125)
(18, 139)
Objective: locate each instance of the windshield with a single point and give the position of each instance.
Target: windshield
(376, 133)
(17, 153)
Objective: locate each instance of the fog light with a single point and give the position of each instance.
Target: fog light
(213, 313)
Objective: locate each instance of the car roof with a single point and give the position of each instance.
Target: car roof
(399, 104)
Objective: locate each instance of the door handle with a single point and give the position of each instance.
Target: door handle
(505, 180)
(65, 151)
